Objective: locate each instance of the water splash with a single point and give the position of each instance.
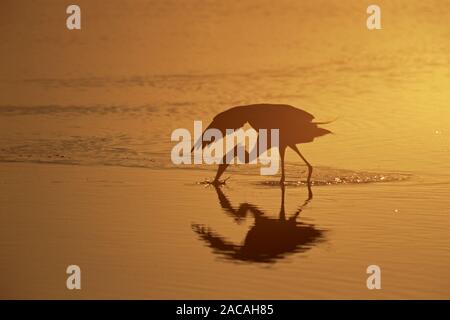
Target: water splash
(324, 176)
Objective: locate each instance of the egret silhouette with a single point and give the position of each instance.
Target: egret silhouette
(295, 126)
(268, 240)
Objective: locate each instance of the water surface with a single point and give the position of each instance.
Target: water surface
(86, 176)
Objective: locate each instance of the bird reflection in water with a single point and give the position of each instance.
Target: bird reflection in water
(268, 240)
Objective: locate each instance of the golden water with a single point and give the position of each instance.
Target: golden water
(106, 99)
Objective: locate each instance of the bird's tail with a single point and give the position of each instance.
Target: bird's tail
(326, 122)
(321, 132)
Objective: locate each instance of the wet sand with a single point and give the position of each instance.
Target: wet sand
(131, 232)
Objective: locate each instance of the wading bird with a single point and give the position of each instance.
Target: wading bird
(295, 126)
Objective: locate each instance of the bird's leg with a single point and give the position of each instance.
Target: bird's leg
(224, 165)
(282, 151)
(310, 170)
(282, 211)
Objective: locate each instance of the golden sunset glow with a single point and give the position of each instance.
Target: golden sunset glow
(86, 176)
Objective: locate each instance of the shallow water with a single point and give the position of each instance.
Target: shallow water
(107, 99)
(154, 234)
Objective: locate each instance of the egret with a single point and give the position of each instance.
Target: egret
(295, 126)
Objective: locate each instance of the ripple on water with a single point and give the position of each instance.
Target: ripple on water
(331, 176)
